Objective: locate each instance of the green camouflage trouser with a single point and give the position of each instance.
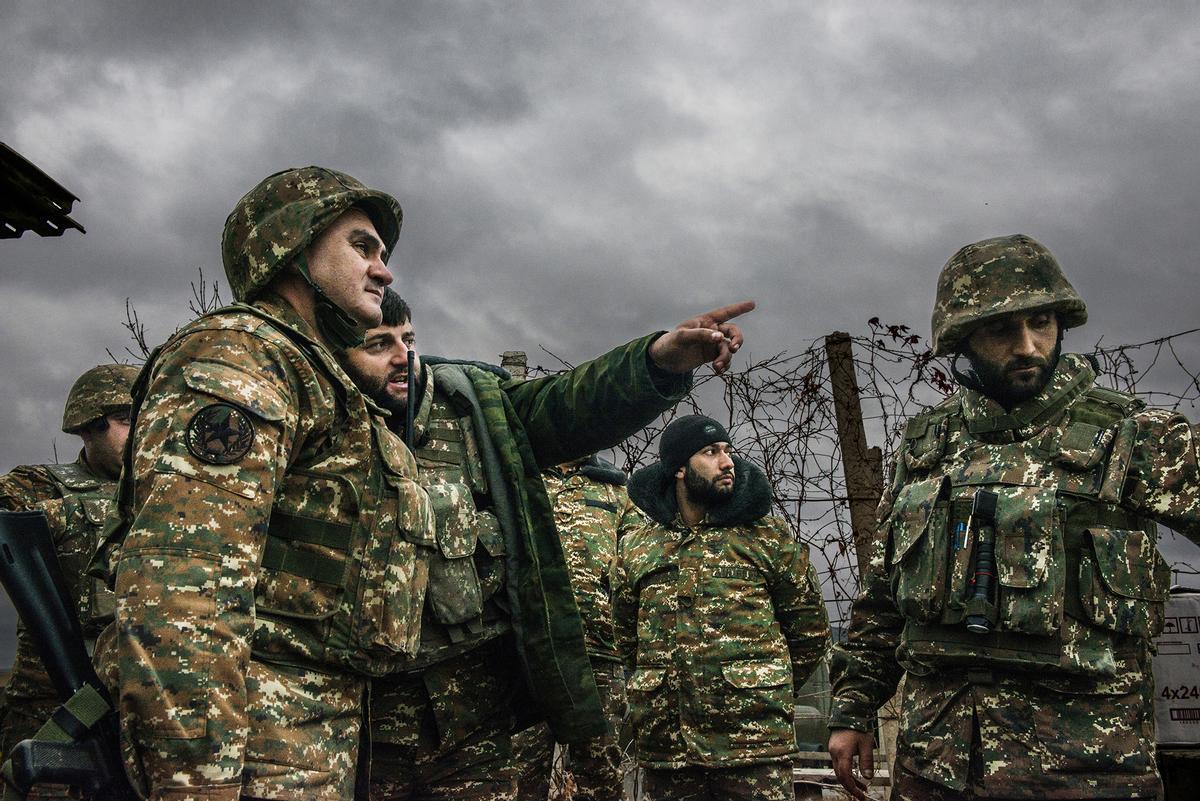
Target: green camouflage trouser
(445, 734)
(770, 782)
(595, 765)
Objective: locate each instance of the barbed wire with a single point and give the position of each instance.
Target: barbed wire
(780, 414)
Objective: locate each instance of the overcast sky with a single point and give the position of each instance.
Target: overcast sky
(575, 173)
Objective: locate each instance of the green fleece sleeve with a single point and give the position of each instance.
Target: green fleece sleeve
(597, 404)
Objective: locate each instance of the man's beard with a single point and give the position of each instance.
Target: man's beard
(703, 492)
(995, 383)
(375, 388)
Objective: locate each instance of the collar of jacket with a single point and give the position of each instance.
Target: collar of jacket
(653, 490)
(596, 469)
(281, 311)
(988, 420)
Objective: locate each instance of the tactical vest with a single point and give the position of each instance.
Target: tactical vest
(466, 569)
(344, 568)
(86, 501)
(1080, 583)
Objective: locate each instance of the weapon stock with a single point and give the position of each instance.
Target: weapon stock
(87, 754)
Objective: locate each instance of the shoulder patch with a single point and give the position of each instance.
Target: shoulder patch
(220, 433)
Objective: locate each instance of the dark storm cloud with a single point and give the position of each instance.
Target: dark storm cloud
(573, 173)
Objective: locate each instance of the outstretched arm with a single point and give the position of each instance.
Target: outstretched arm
(705, 338)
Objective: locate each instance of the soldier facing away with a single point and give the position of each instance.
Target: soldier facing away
(719, 616)
(275, 547)
(1015, 581)
(591, 510)
(75, 498)
(441, 724)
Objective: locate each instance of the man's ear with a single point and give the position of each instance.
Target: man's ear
(681, 472)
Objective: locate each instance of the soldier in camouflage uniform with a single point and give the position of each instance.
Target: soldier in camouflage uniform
(1037, 685)
(440, 728)
(719, 616)
(269, 552)
(591, 509)
(75, 497)
(498, 583)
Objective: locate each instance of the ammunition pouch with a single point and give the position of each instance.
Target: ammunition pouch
(362, 611)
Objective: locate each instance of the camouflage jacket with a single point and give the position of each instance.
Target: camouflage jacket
(266, 514)
(529, 425)
(75, 501)
(591, 510)
(1080, 474)
(720, 623)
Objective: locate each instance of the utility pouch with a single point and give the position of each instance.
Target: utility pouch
(961, 551)
(924, 442)
(489, 563)
(1123, 581)
(454, 594)
(918, 548)
(304, 560)
(1030, 563)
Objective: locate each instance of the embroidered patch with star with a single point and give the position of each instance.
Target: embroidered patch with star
(220, 434)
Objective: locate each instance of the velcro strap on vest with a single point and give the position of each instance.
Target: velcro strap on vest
(287, 530)
(605, 505)
(440, 456)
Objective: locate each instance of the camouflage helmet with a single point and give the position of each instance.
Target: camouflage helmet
(995, 277)
(101, 391)
(277, 220)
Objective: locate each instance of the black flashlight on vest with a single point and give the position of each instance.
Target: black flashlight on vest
(980, 610)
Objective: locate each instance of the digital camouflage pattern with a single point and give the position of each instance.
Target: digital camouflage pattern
(442, 728)
(768, 782)
(594, 765)
(275, 221)
(590, 514)
(1055, 703)
(254, 598)
(720, 625)
(599, 403)
(999, 276)
(27, 485)
(101, 391)
(444, 732)
(75, 502)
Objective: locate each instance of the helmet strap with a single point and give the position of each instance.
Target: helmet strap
(337, 327)
(969, 379)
